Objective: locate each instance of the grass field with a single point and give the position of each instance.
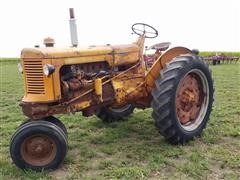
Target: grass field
(204, 53)
(133, 149)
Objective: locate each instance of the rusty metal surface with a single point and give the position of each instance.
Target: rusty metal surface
(159, 64)
(38, 150)
(80, 98)
(74, 84)
(189, 98)
(120, 55)
(151, 59)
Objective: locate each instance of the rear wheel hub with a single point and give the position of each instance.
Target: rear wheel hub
(38, 150)
(189, 98)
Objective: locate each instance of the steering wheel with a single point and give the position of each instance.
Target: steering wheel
(144, 29)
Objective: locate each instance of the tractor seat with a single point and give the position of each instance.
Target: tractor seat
(160, 46)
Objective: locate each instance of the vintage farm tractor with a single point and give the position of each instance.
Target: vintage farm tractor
(108, 81)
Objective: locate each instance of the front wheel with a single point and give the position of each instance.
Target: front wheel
(53, 120)
(183, 97)
(38, 145)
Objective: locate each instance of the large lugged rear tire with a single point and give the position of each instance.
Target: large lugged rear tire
(182, 99)
(109, 114)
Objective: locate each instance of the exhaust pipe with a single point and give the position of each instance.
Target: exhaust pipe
(73, 28)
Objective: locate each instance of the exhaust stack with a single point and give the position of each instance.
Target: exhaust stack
(73, 28)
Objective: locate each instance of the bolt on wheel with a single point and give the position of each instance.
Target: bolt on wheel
(38, 150)
(192, 98)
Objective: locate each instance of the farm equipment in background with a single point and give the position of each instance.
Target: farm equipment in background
(108, 81)
(221, 58)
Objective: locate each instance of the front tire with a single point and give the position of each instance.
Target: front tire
(183, 97)
(53, 120)
(109, 114)
(38, 145)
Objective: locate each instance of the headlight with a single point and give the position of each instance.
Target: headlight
(48, 69)
(20, 68)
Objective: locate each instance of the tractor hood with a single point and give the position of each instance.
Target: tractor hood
(53, 52)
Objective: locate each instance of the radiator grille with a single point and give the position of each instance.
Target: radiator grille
(34, 76)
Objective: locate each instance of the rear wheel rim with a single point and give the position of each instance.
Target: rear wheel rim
(192, 99)
(38, 150)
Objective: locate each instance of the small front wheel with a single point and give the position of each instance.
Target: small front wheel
(53, 120)
(38, 145)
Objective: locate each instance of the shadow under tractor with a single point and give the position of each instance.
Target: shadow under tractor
(108, 81)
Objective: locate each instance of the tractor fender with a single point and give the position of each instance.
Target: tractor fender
(160, 63)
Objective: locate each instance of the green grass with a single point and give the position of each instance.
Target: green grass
(9, 60)
(133, 149)
(204, 53)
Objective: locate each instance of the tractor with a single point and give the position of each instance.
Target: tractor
(108, 81)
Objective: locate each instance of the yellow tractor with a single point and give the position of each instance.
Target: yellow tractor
(108, 81)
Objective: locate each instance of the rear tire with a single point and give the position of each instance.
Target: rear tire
(109, 114)
(38, 145)
(182, 99)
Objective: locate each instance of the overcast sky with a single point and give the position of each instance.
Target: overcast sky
(204, 24)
